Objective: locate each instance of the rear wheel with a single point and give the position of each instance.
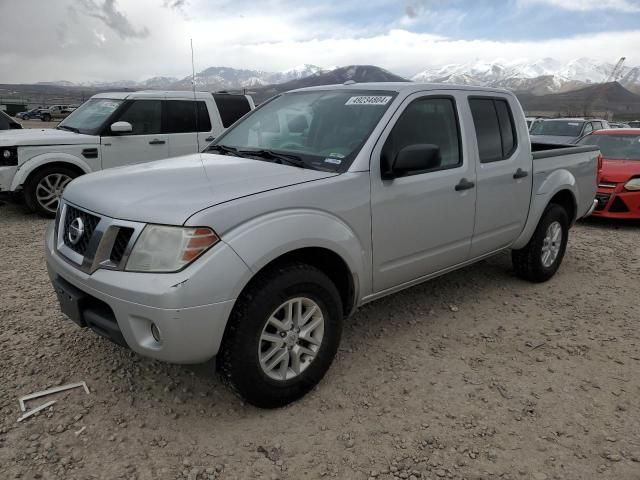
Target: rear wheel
(282, 335)
(45, 117)
(43, 190)
(541, 258)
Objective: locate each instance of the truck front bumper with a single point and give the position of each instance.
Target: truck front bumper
(144, 311)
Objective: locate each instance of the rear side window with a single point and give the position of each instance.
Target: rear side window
(495, 130)
(181, 117)
(426, 121)
(231, 107)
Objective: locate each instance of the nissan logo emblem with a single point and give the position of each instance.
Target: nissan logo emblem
(76, 230)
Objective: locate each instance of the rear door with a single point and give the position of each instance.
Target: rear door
(188, 125)
(504, 176)
(144, 143)
(422, 223)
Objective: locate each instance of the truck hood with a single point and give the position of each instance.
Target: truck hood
(44, 136)
(170, 191)
(558, 140)
(618, 171)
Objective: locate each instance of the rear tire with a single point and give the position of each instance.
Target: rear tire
(43, 190)
(244, 358)
(541, 258)
(45, 117)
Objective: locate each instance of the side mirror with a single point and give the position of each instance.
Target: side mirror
(415, 158)
(121, 127)
(298, 124)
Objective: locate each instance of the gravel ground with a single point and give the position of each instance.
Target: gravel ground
(475, 375)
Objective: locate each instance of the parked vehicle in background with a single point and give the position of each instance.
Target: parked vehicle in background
(111, 130)
(8, 123)
(56, 112)
(634, 124)
(619, 184)
(618, 125)
(257, 250)
(564, 130)
(29, 114)
(531, 121)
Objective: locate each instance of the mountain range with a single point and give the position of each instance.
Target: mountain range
(540, 77)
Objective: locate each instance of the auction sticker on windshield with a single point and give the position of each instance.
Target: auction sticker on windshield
(369, 100)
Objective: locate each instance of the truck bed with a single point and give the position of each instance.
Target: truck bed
(546, 150)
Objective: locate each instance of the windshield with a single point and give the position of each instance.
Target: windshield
(559, 128)
(324, 129)
(90, 116)
(615, 147)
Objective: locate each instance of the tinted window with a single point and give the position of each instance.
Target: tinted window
(144, 116)
(615, 147)
(4, 122)
(507, 129)
(559, 128)
(426, 121)
(485, 120)
(231, 107)
(588, 128)
(181, 117)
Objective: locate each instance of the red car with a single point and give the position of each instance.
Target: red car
(619, 180)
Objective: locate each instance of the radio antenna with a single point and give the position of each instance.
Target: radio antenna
(195, 103)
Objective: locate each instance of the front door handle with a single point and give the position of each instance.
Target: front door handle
(155, 141)
(210, 139)
(464, 184)
(520, 173)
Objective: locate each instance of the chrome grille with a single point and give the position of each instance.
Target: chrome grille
(89, 221)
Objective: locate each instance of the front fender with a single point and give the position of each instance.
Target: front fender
(266, 238)
(554, 183)
(30, 165)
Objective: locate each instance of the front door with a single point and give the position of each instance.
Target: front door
(422, 223)
(144, 143)
(504, 175)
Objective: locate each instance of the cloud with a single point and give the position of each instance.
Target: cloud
(108, 13)
(589, 5)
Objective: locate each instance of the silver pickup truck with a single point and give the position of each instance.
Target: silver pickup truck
(317, 202)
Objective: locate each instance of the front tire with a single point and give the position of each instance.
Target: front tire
(282, 335)
(43, 190)
(541, 258)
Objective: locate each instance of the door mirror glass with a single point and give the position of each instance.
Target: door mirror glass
(415, 158)
(298, 124)
(121, 127)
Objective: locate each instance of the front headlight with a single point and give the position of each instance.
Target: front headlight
(168, 249)
(633, 184)
(8, 156)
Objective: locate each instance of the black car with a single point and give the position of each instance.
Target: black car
(7, 123)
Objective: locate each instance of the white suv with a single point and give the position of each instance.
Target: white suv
(111, 130)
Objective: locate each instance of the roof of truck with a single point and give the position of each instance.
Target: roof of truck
(406, 87)
(160, 94)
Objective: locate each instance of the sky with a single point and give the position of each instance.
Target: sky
(109, 40)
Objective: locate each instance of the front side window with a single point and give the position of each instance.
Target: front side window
(426, 121)
(185, 116)
(90, 116)
(145, 117)
(325, 129)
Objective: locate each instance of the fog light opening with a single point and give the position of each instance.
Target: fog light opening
(155, 332)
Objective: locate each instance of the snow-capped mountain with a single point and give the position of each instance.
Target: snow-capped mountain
(541, 76)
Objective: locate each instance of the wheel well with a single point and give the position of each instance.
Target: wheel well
(68, 165)
(566, 200)
(330, 263)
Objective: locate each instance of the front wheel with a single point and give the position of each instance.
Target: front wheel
(541, 258)
(282, 335)
(43, 190)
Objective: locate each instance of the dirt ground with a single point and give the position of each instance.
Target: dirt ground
(476, 375)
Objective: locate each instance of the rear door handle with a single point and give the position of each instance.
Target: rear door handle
(210, 139)
(464, 184)
(520, 173)
(155, 141)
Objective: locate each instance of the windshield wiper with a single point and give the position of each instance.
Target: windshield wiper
(223, 149)
(66, 127)
(282, 158)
